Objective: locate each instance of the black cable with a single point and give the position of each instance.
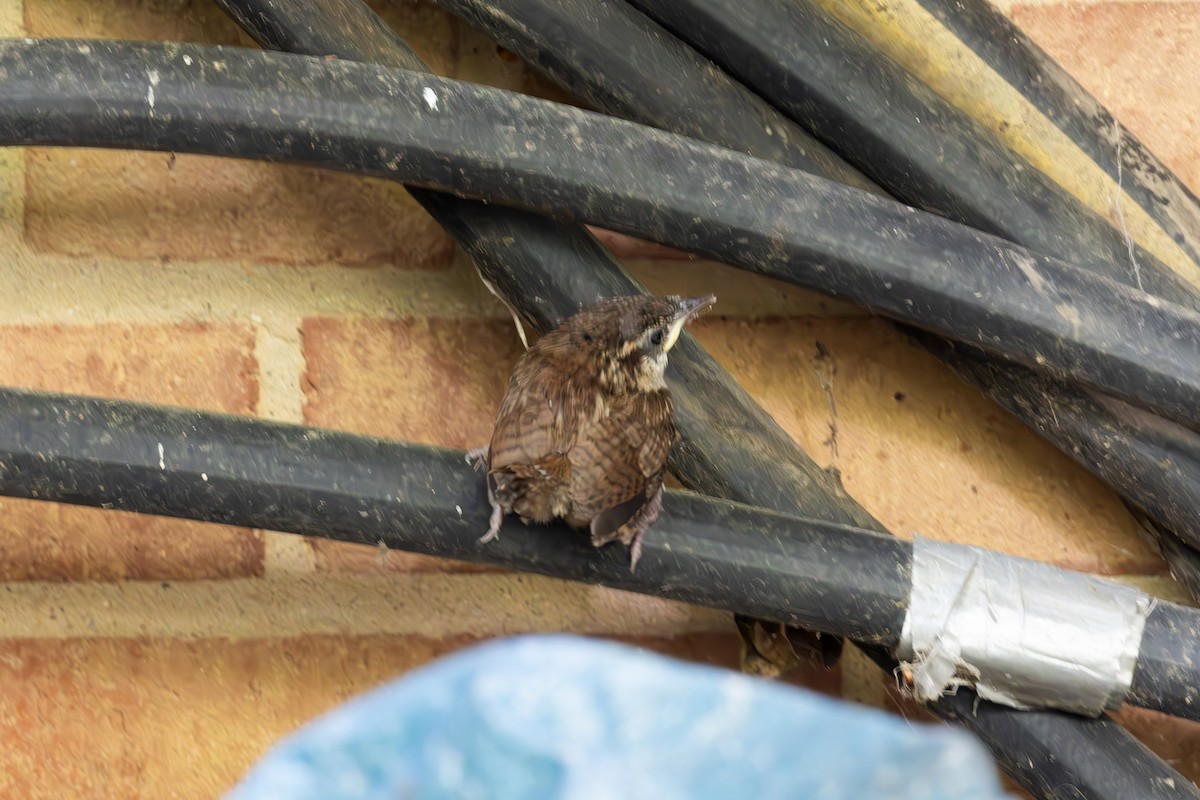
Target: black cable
(241, 471)
(621, 62)
(1114, 766)
(515, 150)
(1149, 461)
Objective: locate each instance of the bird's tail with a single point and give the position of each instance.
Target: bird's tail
(537, 492)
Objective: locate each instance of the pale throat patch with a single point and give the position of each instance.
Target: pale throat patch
(650, 373)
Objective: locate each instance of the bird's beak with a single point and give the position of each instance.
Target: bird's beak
(689, 309)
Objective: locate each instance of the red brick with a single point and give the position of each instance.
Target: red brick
(191, 364)
(331, 556)
(1138, 60)
(133, 719)
(435, 381)
(156, 205)
(152, 205)
(49, 541)
(921, 450)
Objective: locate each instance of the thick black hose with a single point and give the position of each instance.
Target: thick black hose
(623, 63)
(1114, 765)
(928, 153)
(934, 156)
(511, 149)
(240, 471)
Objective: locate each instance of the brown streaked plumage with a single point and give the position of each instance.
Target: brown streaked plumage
(586, 425)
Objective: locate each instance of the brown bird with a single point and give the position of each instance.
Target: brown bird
(587, 422)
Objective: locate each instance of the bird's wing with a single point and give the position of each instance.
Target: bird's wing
(538, 418)
(618, 462)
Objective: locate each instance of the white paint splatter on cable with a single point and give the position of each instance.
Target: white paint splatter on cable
(431, 98)
(153, 76)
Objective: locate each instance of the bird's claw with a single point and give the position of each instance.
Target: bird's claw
(493, 525)
(636, 528)
(635, 550)
(477, 458)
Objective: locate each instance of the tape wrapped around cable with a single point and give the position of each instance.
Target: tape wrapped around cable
(1019, 632)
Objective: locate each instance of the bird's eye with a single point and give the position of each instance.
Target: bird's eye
(656, 338)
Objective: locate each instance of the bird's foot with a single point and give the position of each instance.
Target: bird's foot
(633, 529)
(477, 458)
(493, 524)
(633, 532)
(635, 549)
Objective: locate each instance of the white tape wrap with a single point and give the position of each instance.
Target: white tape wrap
(1019, 632)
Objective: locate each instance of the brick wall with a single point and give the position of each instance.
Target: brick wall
(144, 657)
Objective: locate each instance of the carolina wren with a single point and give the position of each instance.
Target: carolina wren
(587, 422)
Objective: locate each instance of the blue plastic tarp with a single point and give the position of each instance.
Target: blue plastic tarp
(540, 717)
